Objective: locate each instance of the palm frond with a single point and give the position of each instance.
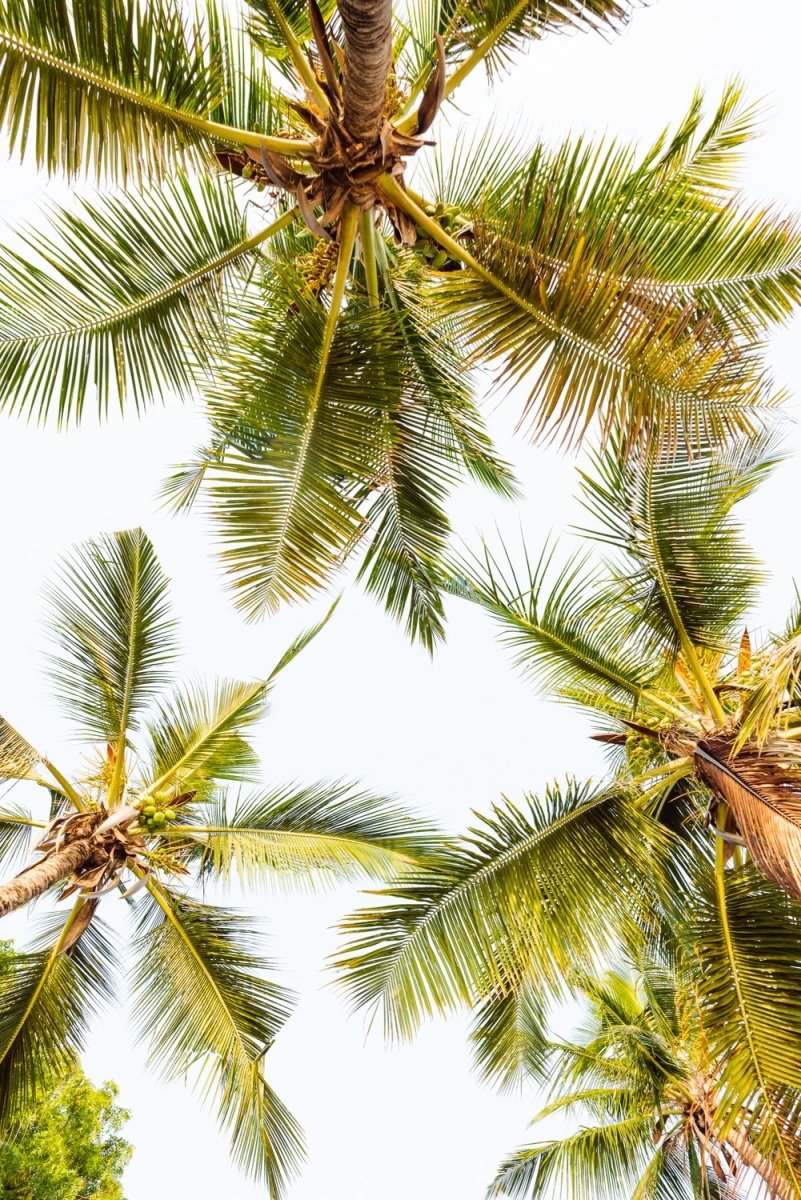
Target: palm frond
(596, 1163)
(431, 439)
(627, 285)
(110, 621)
(123, 298)
(16, 827)
(746, 938)
(285, 503)
(46, 1001)
(205, 1008)
(119, 87)
(299, 834)
(534, 892)
(17, 756)
(199, 734)
(508, 1036)
(566, 628)
(688, 572)
(271, 18)
(501, 28)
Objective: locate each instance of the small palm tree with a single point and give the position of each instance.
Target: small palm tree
(697, 824)
(266, 249)
(158, 809)
(642, 1073)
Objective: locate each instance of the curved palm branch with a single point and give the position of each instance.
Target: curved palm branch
(297, 834)
(206, 1010)
(119, 87)
(125, 298)
(531, 893)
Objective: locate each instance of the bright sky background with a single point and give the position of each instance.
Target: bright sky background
(409, 1123)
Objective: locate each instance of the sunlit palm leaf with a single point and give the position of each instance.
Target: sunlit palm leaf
(17, 756)
(198, 734)
(566, 628)
(285, 500)
(508, 1035)
(601, 1161)
(747, 939)
(114, 636)
(114, 86)
(623, 279)
(46, 1002)
(123, 298)
(531, 893)
(202, 1003)
(16, 828)
(302, 834)
(689, 574)
(504, 26)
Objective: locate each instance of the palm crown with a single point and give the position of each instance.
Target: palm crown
(159, 809)
(331, 319)
(695, 830)
(642, 1072)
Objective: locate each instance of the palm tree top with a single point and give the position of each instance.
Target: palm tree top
(271, 251)
(166, 804)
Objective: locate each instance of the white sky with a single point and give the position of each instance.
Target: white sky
(448, 735)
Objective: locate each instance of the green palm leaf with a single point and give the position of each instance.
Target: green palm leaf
(286, 507)
(46, 1001)
(431, 438)
(564, 627)
(112, 85)
(600, 1161)
(302, 834)
(198, 735)
(507, 1035)
(202, 1002)
(123, 298)
(17, 756)
(498, 29)
(688, 571)
(114, 636)
(532, 893)
(746, 935)
(16, 827)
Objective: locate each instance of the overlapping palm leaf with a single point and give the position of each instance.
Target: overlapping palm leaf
(531, 893)
(124, 299)
(641, 1070)
(633, 292)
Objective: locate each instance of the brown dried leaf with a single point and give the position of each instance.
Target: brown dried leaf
(435, 91)
(744, 656)
(763, 791)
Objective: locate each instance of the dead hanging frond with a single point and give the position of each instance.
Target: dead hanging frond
(762, 788)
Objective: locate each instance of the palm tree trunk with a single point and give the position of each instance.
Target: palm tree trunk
(779, 1187)
(58, 865)
(368, 58)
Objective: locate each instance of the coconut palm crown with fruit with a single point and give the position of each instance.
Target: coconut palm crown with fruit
(267, 248)
(163, 808)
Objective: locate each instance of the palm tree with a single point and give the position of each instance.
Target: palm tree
(265, 251)
(158, 809)
(641, 1071)
(697, 824)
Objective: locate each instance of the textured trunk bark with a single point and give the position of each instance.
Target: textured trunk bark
(368, 57)
(43, 875)
(780, 1188)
